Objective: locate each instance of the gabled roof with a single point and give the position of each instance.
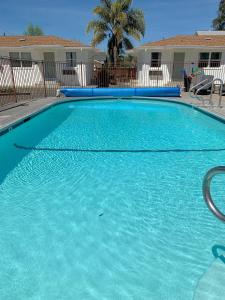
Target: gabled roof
(189, 41)
(43, 40)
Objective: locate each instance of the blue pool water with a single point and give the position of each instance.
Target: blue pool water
(108, 225)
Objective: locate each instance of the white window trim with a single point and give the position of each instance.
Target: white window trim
(20, 60)
(209, 60)
(67, 67)
(159, 60)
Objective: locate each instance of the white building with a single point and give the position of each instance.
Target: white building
(49, 58)
(163, 62)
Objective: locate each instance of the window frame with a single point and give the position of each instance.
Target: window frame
(215, 63)
(26, 62)
(15, 61)
(156, 62)
(19, 61)
(71, 62)
(209, 62)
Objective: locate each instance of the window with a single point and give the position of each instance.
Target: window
(15, 59)
(212, 60)
(203, 60)
(156, 60)
(69, 72)
(215, 59)
(156, 75)
(22, 59)
(71, 59)
(26, 59)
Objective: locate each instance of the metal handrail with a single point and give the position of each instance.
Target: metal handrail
(195, 86)
(211, 93)
(208, 84)
(207, 194)
(220, 92)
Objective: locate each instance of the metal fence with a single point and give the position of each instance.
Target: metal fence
(25, 80)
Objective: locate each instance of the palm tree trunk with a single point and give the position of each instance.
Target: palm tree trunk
(115, 55)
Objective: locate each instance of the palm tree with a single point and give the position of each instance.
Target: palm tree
(116, 21)
(219, 22)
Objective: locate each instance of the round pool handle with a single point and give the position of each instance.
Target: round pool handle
(207, 194)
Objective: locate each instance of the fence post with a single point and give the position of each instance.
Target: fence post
(13, 80)
(82, 84)
(43, 73)
(158, 75)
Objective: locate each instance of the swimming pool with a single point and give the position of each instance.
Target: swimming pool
(102, 199)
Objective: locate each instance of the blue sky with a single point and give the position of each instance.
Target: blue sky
(68, 18)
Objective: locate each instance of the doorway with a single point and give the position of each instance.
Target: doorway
(50, 68)
(178, 66)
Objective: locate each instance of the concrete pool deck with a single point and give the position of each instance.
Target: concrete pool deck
(11, 114)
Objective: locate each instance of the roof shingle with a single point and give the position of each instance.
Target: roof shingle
(45, 40)
(190, 40)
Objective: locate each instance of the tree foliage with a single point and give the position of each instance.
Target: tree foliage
(33, 30)
(116, 21)
(219, 21)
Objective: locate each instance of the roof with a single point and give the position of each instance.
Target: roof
(189, 41)
(210, 32)
(43, 40)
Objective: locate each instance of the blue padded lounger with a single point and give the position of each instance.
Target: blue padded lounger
(121, 92)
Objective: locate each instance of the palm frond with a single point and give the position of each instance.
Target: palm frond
(136, 20)
(106, 3)
(97, 26)
(102, 13)
(127, 44)
(126, 4)
(219, 22)
(98, 38)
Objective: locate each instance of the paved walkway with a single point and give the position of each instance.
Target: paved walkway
(14, 112)
(215, 109)
(10, 114)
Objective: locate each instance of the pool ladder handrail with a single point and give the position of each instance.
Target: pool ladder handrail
(195, 87)
(207, 193)
(202, 87)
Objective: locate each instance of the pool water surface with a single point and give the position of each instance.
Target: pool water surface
(102, 200)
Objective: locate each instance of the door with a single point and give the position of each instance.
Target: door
(50, 69)
(178, 66)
